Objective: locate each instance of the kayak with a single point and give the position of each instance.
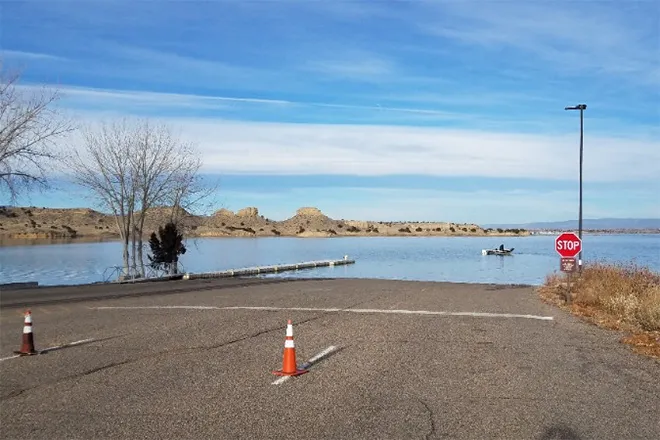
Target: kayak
(497, 251)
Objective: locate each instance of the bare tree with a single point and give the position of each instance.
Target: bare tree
(104, 167)
(29, 127)
(132, 168)
(167, 175)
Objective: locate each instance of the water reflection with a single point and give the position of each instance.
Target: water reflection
(7, 242)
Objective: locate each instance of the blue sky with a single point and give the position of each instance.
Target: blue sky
(379, 110)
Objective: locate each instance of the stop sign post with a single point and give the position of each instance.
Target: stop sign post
(568, 245)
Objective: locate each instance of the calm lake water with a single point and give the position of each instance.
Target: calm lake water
(455, 259)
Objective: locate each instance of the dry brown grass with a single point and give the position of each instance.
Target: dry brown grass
(617, 296)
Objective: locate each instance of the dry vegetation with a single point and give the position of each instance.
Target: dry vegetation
(622, 297)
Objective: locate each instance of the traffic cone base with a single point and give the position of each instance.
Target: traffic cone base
(20, 353)
(295, 373)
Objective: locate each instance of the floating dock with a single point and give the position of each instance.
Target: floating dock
(246, 271)
(258, 270)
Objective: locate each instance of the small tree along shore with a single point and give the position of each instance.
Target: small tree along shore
(29, 126)
(166, 248)
(132, 167)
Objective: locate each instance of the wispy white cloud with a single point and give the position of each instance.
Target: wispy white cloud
(168, 67)
(421, 111)
(372, 150)
(379, 150)
(573, 37)
(304, 73)
(79, 95)
(473, 99)
(17, 55)
(354, 65)
(127, 100)
(546, 118)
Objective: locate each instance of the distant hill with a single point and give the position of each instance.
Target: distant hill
(598, 223)
(32, 223)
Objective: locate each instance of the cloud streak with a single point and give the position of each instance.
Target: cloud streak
(269, 146)
(249, 147)
(576, 37)
(546, 117)
(28, 56)
(353, 64)
(77, 97)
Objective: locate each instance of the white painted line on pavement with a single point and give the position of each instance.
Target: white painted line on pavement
(281, 380)
(319, 356)
(56, 347)
(157, 307)
(314, 309)
(70, 344)
(308, 364)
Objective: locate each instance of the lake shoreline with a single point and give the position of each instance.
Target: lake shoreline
(45, 238)
(67, 293)
(8, 241)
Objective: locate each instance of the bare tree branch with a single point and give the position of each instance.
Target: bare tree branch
(103, 166)
(29, 127)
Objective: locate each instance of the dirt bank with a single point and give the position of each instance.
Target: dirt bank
(31, 223)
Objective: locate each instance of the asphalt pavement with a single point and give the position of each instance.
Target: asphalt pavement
(405, 360)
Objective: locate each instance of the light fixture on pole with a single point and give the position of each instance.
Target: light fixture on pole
(582, 108)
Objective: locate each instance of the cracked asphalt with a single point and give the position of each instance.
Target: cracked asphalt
(206, 373)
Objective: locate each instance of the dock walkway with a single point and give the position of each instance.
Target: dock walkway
(245, 271)
(258, 270)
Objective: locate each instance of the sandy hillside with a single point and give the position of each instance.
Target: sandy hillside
(36, 223)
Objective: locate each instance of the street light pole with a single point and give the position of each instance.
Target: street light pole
(582, 108)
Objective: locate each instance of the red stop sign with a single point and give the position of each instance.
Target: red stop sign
(568, 244)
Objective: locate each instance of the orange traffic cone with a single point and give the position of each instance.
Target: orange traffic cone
(289, 367)
(27, 347)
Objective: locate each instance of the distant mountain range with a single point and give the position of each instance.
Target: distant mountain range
(598, 223)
